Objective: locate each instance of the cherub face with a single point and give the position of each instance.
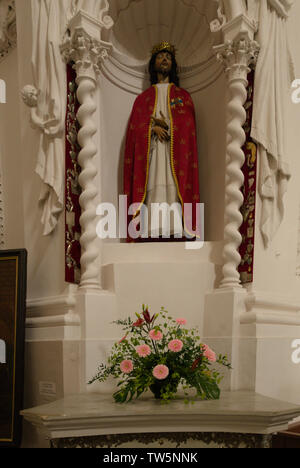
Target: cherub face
(30, 95)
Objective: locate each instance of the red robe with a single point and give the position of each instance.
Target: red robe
(184, 157)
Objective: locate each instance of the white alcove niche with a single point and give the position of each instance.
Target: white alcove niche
(138, 25)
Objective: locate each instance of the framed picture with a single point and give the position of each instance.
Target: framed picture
(13, 272)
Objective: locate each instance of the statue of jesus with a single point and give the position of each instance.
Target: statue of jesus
(161, 160)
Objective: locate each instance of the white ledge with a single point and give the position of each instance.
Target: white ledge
(264, 308)
(95, 414)
(69, 319)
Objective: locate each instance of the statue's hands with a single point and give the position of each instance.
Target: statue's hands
(161, 133)
(160, 128)
(160, 123)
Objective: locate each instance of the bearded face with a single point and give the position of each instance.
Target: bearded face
(163, 63)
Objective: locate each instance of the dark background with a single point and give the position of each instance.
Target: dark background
(13, 266)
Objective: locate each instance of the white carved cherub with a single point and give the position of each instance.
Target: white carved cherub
(30, 95)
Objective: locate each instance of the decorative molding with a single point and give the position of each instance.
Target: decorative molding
(50, 306)
(8, 27)
(169, 439)
(84, 48)
(69, 319)
(53, 318)
(270, 309)
(236, 56)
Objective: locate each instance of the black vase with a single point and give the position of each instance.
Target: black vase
(158, 387)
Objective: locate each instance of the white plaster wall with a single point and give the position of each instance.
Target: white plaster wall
(277, 375)
(115, 108)
(210, 105)
(11, 154)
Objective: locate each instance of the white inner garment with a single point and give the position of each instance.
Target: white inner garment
(161, 185)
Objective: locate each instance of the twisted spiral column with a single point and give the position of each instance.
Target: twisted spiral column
(236, 56)
(234, 181)
(84, 48)
(90, 252)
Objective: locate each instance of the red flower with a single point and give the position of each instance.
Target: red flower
(196, 363)
(147, 316)
(138, 323)
(123, 339)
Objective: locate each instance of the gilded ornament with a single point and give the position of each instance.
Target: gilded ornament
(164, 45)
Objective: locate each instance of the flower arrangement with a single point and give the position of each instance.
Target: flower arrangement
(159, 357)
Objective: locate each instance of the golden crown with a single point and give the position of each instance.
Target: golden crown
(164, 45)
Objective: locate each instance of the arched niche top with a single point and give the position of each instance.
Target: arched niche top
(139, 24)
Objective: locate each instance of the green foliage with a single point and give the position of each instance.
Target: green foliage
(189, 367)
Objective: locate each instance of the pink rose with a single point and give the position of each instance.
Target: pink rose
(126, 366)
(155, 335)
(143, 350)
(181, 321)
(209, 354)
(175, 346)
(160, 372)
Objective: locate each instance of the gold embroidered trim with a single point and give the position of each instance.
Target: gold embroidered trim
(172, 147)
(172, 160)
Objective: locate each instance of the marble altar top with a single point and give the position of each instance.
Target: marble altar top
(92, 414)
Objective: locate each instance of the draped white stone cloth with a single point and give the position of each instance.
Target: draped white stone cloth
(273, 77)
(49, 23)
(49, 75)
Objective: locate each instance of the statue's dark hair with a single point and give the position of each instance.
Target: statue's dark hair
(174, 78)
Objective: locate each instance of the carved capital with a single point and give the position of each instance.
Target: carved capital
(237, 56)
(8, 29)
(84, 46)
